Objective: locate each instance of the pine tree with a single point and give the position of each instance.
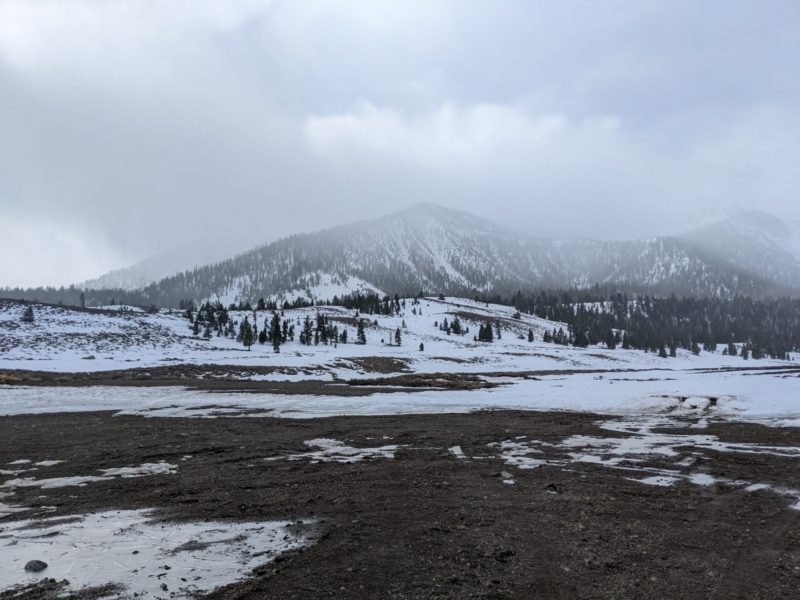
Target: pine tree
(611, 341)
(662, 352)
(247, 334)
(580, 340)
(275, 330)
(27, 315)
(361, 336)
(397, 338)
(530, 335)
(421, 347)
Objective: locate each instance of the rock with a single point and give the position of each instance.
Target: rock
(34, 566)
(506, 475)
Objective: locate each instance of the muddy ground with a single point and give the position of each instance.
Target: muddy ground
(427, 524)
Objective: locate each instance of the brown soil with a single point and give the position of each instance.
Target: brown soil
(429, 525)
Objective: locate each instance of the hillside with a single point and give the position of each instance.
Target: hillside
(62, 339)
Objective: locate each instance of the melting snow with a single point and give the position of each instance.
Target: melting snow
(159, 468)
(336, 451)
(145, 557)
(642, 444)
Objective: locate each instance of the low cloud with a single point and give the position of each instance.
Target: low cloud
(138, 126)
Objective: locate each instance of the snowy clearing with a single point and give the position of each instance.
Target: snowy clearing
(765, 398)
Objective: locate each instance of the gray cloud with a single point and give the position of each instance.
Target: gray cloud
(131, 127)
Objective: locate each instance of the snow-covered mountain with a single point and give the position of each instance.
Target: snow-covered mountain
(756, 242)
(155, 268)
(431, 248)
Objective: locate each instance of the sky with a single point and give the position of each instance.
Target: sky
(128, 128)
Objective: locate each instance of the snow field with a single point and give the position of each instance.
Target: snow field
(146, 557)
(65, 340)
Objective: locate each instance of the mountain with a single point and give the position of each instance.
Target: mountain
(156, 268)
(431, 248)
(756, 242)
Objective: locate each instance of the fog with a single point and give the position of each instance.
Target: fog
(131, 127)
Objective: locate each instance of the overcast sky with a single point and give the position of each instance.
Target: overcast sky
(129, 127)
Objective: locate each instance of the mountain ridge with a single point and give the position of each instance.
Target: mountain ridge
(436, 249)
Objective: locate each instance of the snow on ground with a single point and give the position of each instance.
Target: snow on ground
(644, 439)
(67, 340)
(764, 398)
(159, 468)
(63, 339)
(336, 451)
(146, 557)
(321, 287)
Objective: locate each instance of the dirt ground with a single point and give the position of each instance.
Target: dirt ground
(427, 524)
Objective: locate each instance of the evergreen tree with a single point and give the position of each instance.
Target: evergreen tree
(456, 327)
(530, 335)
(247, 334)
(275, 332)
(580, 339)
(307, 335)
(27, 315)
(421, 347)
(397, 338)
(196, 326)
(361, 336)
(611, 341)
